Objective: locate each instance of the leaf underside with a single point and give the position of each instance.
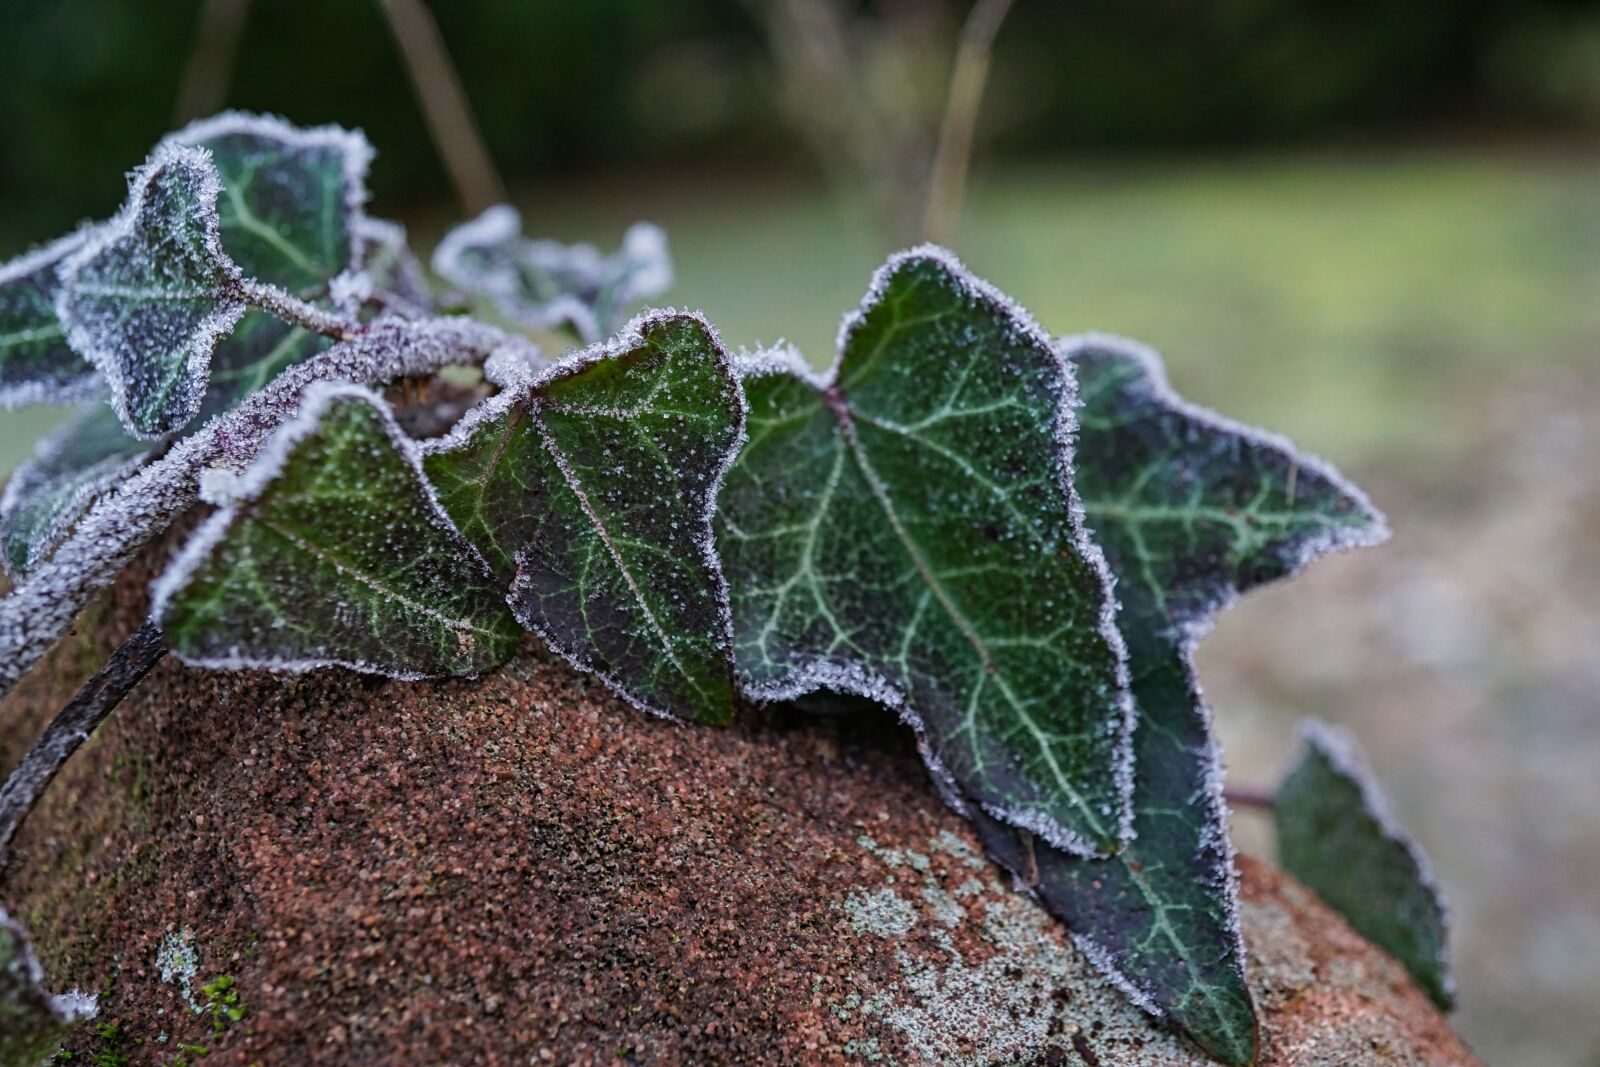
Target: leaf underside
(1190, 511)
(148, 299)
(589, 492)
(1336, 834)
(543, 284)
(36, 363)
(903, 531)
(337, 554)
(46, 494)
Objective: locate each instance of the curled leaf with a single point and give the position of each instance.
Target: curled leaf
(37, 366)
(1338, 835)
(334, 551)
(905, 529)
(543, 284)
(149, 295)
(1191, 511)
(70, 468)
(590, 489)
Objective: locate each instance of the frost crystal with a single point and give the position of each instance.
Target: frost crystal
(148, 296)
(37, 366)
(543, 284)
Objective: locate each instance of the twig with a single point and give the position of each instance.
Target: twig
(444, 105)
(211, 61)
(948, 186)
(73, 726)
(1243, 797)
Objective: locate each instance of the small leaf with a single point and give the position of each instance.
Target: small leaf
(905, 530)
(335, 552)
(542, 284)
(589, 490)
(148, 297)
(1191, 510)
(290, 212)
(70, 468)
(37, 366)
(386, 258)
(1338, 835)
(33, 1023)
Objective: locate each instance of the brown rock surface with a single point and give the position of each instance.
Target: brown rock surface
(522, 870)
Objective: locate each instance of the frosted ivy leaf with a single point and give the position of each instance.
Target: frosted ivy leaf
(386, 259)
(149, 295)
(1338, 835)
(905, 529)
(1191, 510)
(70, 468)
(37, 366)
(589, 489)
(290, 213)
(33, 1023)
(259, 349)
(543, 284)
(335, 552)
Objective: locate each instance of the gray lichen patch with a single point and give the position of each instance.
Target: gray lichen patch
(983, 976)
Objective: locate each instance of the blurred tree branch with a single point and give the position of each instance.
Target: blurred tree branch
(209, 71)
(948, 185)
(445, 108)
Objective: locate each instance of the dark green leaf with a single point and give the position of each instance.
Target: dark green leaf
(589, 490)
(71, 467)
(905, 530)
(542, 284)
(291, 202)
(1337, 834)
(37, 366)
(1191, 510)
(149, 296)
(259, 348)
(335, 551)
(32, 1022)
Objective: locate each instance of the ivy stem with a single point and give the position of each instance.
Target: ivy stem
(1245, 797)
(74, 725)
(275, 301)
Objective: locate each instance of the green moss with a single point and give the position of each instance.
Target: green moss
(222, 1001)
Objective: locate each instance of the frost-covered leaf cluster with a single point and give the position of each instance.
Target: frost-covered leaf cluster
(33, 1022)
(543, 284)
(1014, 542)
(1338, 835)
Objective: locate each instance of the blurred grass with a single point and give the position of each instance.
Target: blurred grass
(1356, 303)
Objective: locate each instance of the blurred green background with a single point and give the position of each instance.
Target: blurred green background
(1373, 226)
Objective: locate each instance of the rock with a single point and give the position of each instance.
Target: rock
(520, 869)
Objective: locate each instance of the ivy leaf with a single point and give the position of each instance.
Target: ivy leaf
(290, 213)
(33, 1023)
(386, 259)
(1338, 835)
(36, 363)
(334, 551)
(904, 529)
(542, 284)
(70, 468)
(148, 296)
(1191, 510)
(589, 490)
(259, 349)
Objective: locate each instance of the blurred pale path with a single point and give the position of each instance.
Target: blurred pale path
(1429, 322)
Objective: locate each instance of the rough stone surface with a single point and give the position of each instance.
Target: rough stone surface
(523, 870)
